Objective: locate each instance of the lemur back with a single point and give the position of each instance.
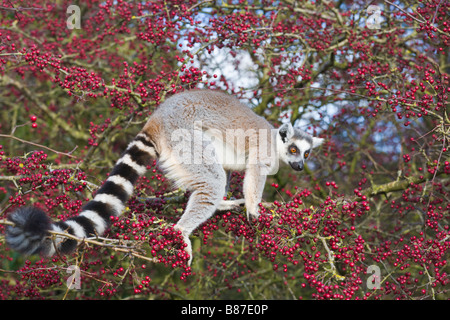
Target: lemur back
(196, 136)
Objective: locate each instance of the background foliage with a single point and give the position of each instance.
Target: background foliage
(374, 84)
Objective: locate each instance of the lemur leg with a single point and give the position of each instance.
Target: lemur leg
(202, 204)
(230, 204)
(254, 182)
(206, 179)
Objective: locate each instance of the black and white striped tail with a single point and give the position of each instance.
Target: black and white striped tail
(30, 233)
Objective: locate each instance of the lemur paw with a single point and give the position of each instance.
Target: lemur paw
(252, 213)
(187, 241)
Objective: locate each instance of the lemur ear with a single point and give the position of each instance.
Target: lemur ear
(286, 131)
(317, 142)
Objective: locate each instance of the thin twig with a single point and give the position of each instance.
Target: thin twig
(39, 145)
(94, 241)
(405, 12)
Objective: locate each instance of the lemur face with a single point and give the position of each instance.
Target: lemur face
(294, 146)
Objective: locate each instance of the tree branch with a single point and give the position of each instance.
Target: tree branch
(55, 117)
(102, 242)
(400, 185)
(38, 145)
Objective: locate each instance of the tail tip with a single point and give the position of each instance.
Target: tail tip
(29, 232)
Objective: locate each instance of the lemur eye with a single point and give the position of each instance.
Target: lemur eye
(306, 155)
(293, 150)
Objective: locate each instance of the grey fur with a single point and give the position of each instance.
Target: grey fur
(207, 126)
(197, 136)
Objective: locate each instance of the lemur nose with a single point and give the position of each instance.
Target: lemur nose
(298, 166)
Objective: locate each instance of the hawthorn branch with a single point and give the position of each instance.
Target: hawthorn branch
(69, 154)
(20, 8)
(108, 243)
(405, 12)
(333, 270)
(54, 116)
(400, 185)
(102, 138)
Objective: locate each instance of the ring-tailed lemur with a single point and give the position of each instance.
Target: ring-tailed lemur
(196, 136)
